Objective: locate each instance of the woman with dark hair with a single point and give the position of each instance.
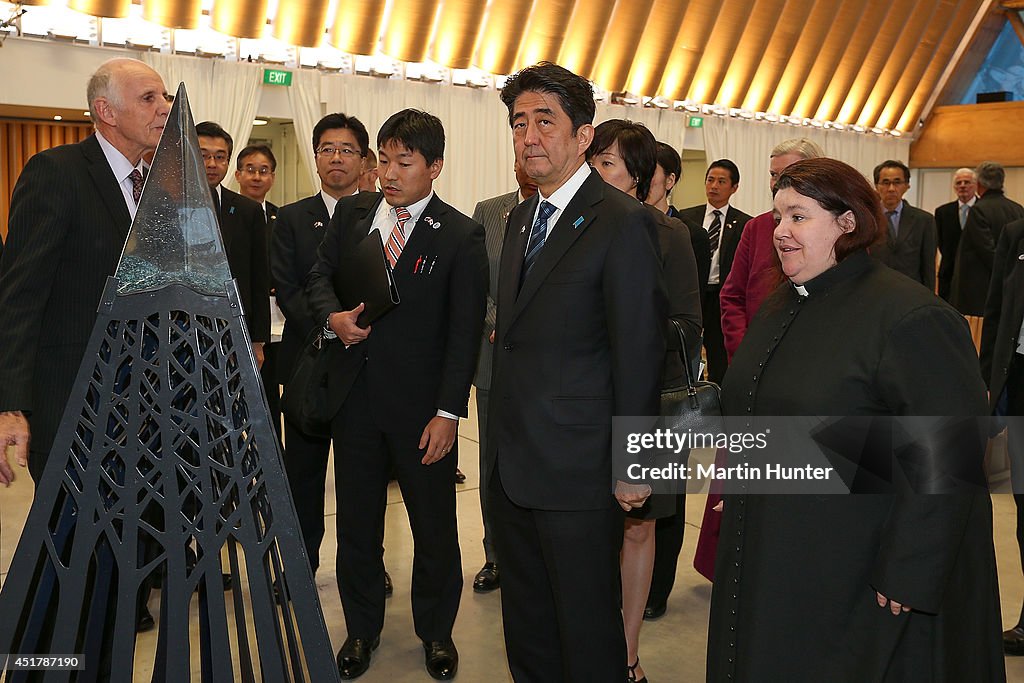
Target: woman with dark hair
(624, 153)
(854, 588)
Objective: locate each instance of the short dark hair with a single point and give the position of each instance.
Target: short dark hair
(417, 130)
(249, 150)
(891, 163)
(339, 120)
(838, 188)
(637, 147)
(574, 92)
(728, 165)
(209, 129)
(668, 159)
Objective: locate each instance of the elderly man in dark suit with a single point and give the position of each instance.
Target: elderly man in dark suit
(950, 219)
(909, 247)
(724, 225)
(404, 382)
(339, 145)
(1002, 364)
(493, 215)
(70, 213)
(243, 227)
(580, 337)
(973, 270)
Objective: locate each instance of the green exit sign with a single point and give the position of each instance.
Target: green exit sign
(696, 122)
(277, 77)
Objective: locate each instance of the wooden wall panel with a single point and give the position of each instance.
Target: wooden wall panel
(965, 135)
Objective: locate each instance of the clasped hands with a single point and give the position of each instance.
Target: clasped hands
(631, 496)
(14, 431)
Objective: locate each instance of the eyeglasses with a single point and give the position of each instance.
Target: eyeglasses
(261, 171)
(345, 152)
(892, 183)
(219, 157)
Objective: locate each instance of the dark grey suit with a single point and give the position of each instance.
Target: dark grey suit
(947, 224)
(68, 224)
(493, 215)
(973, 270)
(243, 226)
(913, 252)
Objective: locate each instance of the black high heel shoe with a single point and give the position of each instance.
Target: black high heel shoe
(631, 673)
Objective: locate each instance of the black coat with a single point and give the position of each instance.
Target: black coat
(732, 229)
(973, 269)
(243, 225)
(428, 344)
(701, 247)
(1004, 309)
(68, 225)
(947, 223)
(796, 575)
(913, 251)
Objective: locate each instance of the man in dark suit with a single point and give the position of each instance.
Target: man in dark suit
(909, 247)
(973, 270)
(339, 143)
(724, 225)
(243, 227)
(70, 213)
(493, 215)
(403, 382)
(949, 221)
(1002, 364)
(580, 337)
(255, 170)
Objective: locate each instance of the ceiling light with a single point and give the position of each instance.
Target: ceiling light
(85, 113)
(857, 129)
(878, 131)
(895, 133)
(58, 117)
(259, 122)
(771, 117)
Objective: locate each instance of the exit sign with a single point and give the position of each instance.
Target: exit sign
(277, 77)
(696, 122)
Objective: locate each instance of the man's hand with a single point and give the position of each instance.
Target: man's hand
(257, 352)
(631, 496)
(491, 338)
(343, 324)
(438, 438)
(14, 431)
(894, 607)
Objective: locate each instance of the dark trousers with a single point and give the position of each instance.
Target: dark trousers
(714, 342)
(305, 463)
(367, 448)
(560, 591)
(271, 386)
(486, 468)
(668, 541)
(1015, 446)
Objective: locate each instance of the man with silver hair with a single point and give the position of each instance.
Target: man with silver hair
(949, 221)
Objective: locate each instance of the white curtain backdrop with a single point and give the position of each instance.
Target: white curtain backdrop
(225, 92)
(306, 102)
(748, 144)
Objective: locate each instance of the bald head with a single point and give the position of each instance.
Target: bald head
(128, 104)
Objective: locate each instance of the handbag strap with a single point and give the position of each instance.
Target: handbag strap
(687, 370)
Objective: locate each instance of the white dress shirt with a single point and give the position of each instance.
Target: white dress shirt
(560, 198)
(122, 168)
(709, 217)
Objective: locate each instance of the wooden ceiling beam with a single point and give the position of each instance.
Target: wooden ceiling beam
(813, 87)
(655, 47)
(718, 54)
(753, 46)
(776, 55)
(693, 38)
(783, 96)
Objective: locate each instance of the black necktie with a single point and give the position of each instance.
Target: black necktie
(216, 201)
(714, 231)
(538, 235)
(138, 180)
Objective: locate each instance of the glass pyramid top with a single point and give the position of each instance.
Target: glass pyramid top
(175, 238)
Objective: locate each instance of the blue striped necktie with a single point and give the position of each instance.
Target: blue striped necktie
(537, 237)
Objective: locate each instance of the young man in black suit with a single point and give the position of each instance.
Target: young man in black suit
(339, 145)
(243, 227)
(724, 224)
(70, 213)
(579, 339)
(911, 234)
(950, 219)
(404, 381)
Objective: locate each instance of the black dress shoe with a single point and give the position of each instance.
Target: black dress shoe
(487, 579)
(1013, 641)
(144, 620)
(442, 659)
(354, 657)
(654, 611)
(389, 587)
(460, 478)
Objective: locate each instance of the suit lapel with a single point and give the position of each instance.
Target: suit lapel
(429, 224)
(226, 218)
(513, 251)
(107, 186)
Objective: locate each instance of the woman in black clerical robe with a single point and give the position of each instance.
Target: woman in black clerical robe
(853, 588)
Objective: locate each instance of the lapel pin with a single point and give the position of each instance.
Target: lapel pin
(522, 230)
(318, 224)
(577, 223)
(436, 225)
(1021, 257)
(231, 211)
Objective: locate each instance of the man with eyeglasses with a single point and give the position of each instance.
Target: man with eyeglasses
(911, 236)
(243, 228)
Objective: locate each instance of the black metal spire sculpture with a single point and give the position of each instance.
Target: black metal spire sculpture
(165, 464)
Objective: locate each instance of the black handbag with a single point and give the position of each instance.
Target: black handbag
(694, 405)
(305, 399)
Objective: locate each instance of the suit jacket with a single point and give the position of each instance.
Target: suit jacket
(243, 226)
(493, 215)
(679, 270)
(973, 270)
(581, 342)
(755, 274)
(68, 225)
(421, 355)
(947, 224)
(1004, 310)
(298, 231)
(732, 229)
(701, 247)
(913, 251)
